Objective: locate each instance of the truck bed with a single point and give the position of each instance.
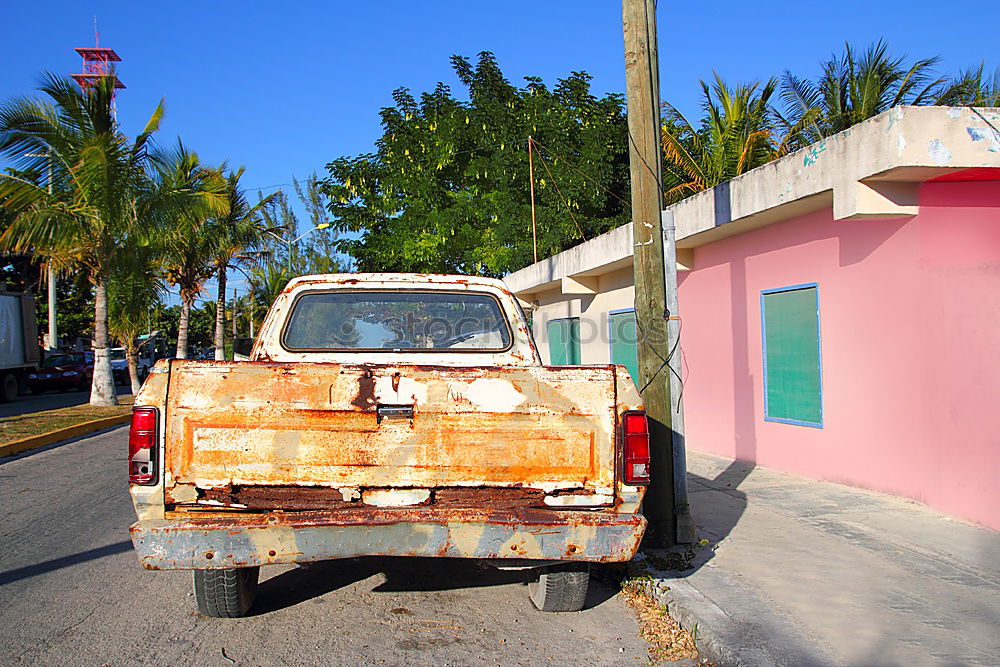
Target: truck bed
(325, 435)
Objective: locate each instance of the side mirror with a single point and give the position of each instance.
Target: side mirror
(241, 349)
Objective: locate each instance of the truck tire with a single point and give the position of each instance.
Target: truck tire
(561, 587)
(8, 388)
(225, 593)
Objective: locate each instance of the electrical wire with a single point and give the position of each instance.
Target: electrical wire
(561, 197)
(580, 171)
(984, 119)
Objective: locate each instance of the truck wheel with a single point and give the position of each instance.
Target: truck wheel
(225, 593)
(8, 388)
(561, 587)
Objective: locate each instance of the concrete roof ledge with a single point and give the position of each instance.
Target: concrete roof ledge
(871, 170)
(595, 256)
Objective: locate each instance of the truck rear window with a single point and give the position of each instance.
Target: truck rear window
(411, 320)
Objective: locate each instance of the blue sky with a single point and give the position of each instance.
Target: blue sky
(285, 87)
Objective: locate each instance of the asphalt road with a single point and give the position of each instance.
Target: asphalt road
(50, 400)
(72, 592)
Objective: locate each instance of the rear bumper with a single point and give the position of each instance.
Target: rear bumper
(245, 541)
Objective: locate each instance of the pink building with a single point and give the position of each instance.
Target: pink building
(840, 307)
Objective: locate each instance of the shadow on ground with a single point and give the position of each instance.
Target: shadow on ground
(717, 504)
(401, 574)
(66, 561)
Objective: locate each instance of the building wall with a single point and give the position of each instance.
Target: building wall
(614, 292)
(909, 322)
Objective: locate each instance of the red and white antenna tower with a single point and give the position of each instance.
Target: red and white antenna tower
(97, 64)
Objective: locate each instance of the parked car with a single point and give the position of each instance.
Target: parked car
(387, 415)
(69, 371)
(119, 365)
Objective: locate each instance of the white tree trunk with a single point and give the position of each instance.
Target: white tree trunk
(182, 326)
(220, 317)
(133, 367)
(102, 387)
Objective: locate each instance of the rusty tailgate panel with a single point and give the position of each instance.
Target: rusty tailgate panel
(316, 424)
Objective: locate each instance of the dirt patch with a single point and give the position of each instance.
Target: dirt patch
(37, 423)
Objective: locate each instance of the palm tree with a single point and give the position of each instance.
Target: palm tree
(971, 88)
(191, 242)
(268, 281)
(736, 135)
(102, 195)
(855, 87)
(134, 292)
(242, 229)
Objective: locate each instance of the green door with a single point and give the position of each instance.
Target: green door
(564, 341)
(624, 350)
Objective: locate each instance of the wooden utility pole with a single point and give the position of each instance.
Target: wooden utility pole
(642, 78)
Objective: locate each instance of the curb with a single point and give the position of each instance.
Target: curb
(696, 614)
(52, 437)
(720, 638)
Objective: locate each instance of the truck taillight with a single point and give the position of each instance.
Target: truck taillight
(142, 447)
(635, 447)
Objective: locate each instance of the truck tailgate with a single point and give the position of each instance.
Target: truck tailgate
(319, 425)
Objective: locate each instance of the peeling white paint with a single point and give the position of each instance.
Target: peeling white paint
(938, 152)
(350, 493)
(410, 391)
(395, 497)
(954, 113)
(489, 394)
(578, 500)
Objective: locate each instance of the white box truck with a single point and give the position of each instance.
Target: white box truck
(19, 351)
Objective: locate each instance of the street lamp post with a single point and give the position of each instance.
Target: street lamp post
(296, 240)
(53, 328)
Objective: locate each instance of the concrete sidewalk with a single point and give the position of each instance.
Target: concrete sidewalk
(799, 572)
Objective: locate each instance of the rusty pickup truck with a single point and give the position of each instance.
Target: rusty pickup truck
(387, 415)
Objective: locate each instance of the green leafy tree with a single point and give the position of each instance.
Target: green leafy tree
(317, 253)
(268, 280)
(26, 272)
(237, 235)
(736, 134)
(191, 240)
(971, 87)
(134, 293)
(201, 327)
(166, 320)
(102, 197)
(447, 189)
(74, 307)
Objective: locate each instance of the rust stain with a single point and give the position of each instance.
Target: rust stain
(365, 398)
(536, 521)
(314, 425)
(305, 498)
